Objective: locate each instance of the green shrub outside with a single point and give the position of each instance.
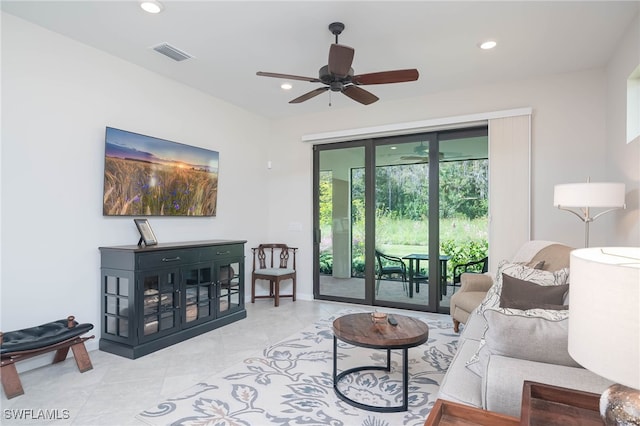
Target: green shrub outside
(464, 240)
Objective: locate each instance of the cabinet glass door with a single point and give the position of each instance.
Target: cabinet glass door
(199, 295)
(116, 305)
(230, 294)
(161, 303)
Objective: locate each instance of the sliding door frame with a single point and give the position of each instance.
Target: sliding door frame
(370, 222)
(517, 135)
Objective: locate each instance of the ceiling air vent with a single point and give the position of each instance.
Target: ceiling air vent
(172, 52)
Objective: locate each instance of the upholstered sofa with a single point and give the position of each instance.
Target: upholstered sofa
(517, 332)
(548, 255)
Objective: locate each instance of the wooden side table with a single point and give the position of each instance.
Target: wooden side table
(447, 413)
(547, 405)
(542, 405)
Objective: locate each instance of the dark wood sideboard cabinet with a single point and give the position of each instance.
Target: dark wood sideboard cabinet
(153, 297)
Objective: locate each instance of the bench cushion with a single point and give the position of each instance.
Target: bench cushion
(41, 336)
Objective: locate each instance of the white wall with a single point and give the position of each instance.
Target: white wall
(58, 96)
(623, 160)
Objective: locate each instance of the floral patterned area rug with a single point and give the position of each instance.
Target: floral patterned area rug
(291, 383)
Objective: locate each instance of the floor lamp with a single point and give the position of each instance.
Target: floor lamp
(588, 195)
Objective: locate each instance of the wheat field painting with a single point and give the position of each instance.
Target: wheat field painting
(147, 176)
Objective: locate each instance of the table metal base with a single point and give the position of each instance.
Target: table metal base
(405, 381)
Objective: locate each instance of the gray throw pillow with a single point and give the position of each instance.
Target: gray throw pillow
(536, 335)
(522, 294)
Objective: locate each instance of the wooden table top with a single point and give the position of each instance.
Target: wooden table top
(548, 405)
(360, 330)
(447, 413)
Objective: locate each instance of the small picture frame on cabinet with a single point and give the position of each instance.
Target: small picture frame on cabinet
(146, 233)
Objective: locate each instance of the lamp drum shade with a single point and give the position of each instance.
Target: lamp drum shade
(604, 312)
(589, 194)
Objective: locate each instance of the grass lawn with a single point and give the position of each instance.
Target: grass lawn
(401, 237)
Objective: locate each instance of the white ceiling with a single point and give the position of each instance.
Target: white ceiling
(231, 40)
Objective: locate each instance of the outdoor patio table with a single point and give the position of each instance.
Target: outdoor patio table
(415, 276)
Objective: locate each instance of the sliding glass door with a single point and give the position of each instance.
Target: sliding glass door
(379, 206)
(339, 223)
(402, 221)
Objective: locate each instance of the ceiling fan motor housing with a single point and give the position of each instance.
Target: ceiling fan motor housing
(336, 86)
(329, 79)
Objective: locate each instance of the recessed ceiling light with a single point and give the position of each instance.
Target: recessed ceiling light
(486, 45)
(151, 6)
(393, 147)
(286, 86)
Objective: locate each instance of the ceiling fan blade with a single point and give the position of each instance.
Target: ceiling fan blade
(415, 158)
(340, 59)
(288, 76)
(359, 95)
(384, 77)
(309, 95)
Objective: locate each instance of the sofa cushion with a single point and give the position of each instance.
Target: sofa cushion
(502, 384)
(459, 384)
(474, 329)
(522, 294)
(539, 335)
(540, 277)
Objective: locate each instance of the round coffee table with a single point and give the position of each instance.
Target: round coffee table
(360, 330)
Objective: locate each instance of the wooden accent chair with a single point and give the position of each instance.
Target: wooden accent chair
(56, 336)
(265, 256)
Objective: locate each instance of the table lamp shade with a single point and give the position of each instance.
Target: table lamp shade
(604, 312)
(589, 194)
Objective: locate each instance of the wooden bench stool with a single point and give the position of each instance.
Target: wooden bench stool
(56, 336)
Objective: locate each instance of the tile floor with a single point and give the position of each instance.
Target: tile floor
(119, 388)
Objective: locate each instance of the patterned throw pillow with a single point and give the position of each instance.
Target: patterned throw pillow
(522, 272)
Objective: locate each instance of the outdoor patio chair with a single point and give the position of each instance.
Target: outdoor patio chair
(477, 266)
(389, 266)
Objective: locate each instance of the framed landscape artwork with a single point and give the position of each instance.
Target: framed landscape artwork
(147, 176)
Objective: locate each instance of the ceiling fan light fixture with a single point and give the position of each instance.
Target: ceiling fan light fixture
(286, 86)
(488, 45)
(151, 6)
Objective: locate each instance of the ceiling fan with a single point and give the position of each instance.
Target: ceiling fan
(421, 155)
(338, 76)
